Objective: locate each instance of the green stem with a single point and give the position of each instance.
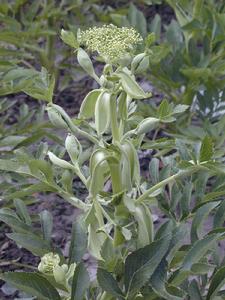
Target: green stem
(80, 175)
(165, 182)
(114, 122)
(116, 178)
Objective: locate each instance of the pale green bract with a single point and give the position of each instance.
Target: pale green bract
(109, 41)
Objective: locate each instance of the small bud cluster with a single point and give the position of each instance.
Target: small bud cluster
(48, 262)
(111, 42)
(50, 265)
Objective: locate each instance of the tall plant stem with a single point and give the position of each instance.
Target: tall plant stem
(114, 122)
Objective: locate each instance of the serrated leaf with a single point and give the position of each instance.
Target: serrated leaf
(216, 284)
(158, 280)
(141, 264)
(22, 211)
(11, 219)
(78, 245)
(199, 218)
(194, 291)
(46, 224)
(32, 283)
(31, 242)
(108, 283)
(198, 250)
(80, 282)
(206, 151)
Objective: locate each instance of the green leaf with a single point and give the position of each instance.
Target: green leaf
(78, 245)
(193, 290)
(180, 108)
(141, 264)
(108, 283)
(46, 224)
(206, 151)
(156, 25)
(157, 282)
(198, 250)
(22, 211)
(165, 110)
(137, 19)
(69, 38)
(201, 268)
(154, 170)
(199, 218)
(31, 242)
(11, 219)
(144, 219)
(216, 284)
(81, 282)
(32, 283)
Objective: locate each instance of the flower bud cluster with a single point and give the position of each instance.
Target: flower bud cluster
(50, 265)
(48, 262)
(111, 42)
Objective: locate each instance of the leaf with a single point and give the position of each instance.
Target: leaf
(193, 290)
(87, 108)
(157, 282)
(69, 38)
(108, 283)
(81, 282)
(144, 219)
(180, 108)
(198, 250)
(31, 242)
(165, 110)
(154, 170)
(22, 211)
(137, 19)
(216, 284)
(11, 219)
(219, 215)
(131, 87)
(199, 218)
(186, 198)
(32, 283)
(141, 264)
(206, 151)
(46, 224)
(78, 245)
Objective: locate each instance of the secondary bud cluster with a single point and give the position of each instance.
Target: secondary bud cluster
(48, 262)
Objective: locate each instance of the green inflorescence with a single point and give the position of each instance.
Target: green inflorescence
(48, 262)
(109, 41)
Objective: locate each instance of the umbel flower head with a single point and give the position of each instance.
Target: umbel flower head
(109, 41)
